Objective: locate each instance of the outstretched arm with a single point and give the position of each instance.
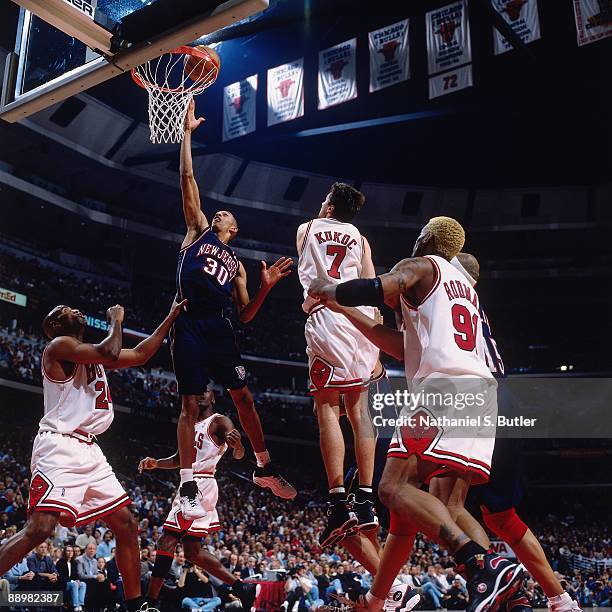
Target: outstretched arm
(407, 274)
(195, 219)
(68, 348)
(168, 463)
(247, 307)
(143, 351)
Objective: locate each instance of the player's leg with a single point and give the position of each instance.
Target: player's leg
(365, 548)
(452, 490)
(40, 526)
(358, 413)
(340, 516)
(189, 349)
(125, 528)
(508, 526)
(265, 475)
(163, 561)
(196, 554)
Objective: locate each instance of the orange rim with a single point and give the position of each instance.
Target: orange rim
(184, 50)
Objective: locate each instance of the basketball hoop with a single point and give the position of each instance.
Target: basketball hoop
(171, 80)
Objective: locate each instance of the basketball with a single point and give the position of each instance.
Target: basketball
(204, 66)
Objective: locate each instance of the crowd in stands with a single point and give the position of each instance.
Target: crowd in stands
(261, 536)
(278, 333)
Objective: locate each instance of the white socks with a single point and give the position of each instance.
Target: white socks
(563, 601)
(263, 458)
(186, 475)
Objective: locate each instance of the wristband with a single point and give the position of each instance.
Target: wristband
(360, 292)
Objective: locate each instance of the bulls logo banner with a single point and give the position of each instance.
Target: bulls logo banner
(286, 92)
(337, 74)
(389, 60)
(523, 18)
(593, 20)
(448, 37)
(239, 108)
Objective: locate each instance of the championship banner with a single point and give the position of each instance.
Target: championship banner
(286, 92)
(448, 37)
(338, 74)
(449, 82)
(389, 58)
(593, 20)
(523, 18)
(239, 108)
(12, 297)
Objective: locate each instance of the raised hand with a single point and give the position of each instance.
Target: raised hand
(191, 123)
(279, 269)
(148, 463)
(234, 441)
(176, 308)
(115, 313)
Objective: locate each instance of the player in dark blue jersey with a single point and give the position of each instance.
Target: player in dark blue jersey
(210, 277)
(499, 497)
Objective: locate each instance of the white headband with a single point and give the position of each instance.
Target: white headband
(455, 262)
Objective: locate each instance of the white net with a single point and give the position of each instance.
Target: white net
(171, 80)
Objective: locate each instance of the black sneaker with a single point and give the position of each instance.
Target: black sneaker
(246, 593)
(269, 478)
(518, 603)
(493, 580)
(340, 520)
(366, 514)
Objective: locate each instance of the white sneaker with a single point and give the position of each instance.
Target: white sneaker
(190, 500)
(401, 598)
(563, 603)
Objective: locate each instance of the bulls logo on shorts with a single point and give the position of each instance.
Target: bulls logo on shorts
(321, 373)
(419, 433)
(39, 489)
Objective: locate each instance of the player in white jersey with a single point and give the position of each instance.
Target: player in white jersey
(340, 358)
(440, 313)
(214, 434)
(500, 496)
(72, 482)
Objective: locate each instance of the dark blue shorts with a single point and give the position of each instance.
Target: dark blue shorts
(204, 348)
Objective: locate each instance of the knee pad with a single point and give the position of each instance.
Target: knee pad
(506, 525)
(163, 561)
(400, 526)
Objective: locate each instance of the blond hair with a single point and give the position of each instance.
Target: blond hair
(448, 234)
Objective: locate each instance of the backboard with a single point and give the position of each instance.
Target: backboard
(50, 65)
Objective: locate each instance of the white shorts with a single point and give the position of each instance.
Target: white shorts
(439, 434)
(73, 477)
(339, 356)
(199, 528)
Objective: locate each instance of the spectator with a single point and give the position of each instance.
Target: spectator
(74, 588)
(45, 572)
(87, 572)
(196, 591)
(86, 538)
(456, 596)
(105, 547)
(20, 576)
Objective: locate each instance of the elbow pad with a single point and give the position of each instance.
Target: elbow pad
(361, 292)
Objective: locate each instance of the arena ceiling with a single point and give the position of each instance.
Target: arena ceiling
(537, 116)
